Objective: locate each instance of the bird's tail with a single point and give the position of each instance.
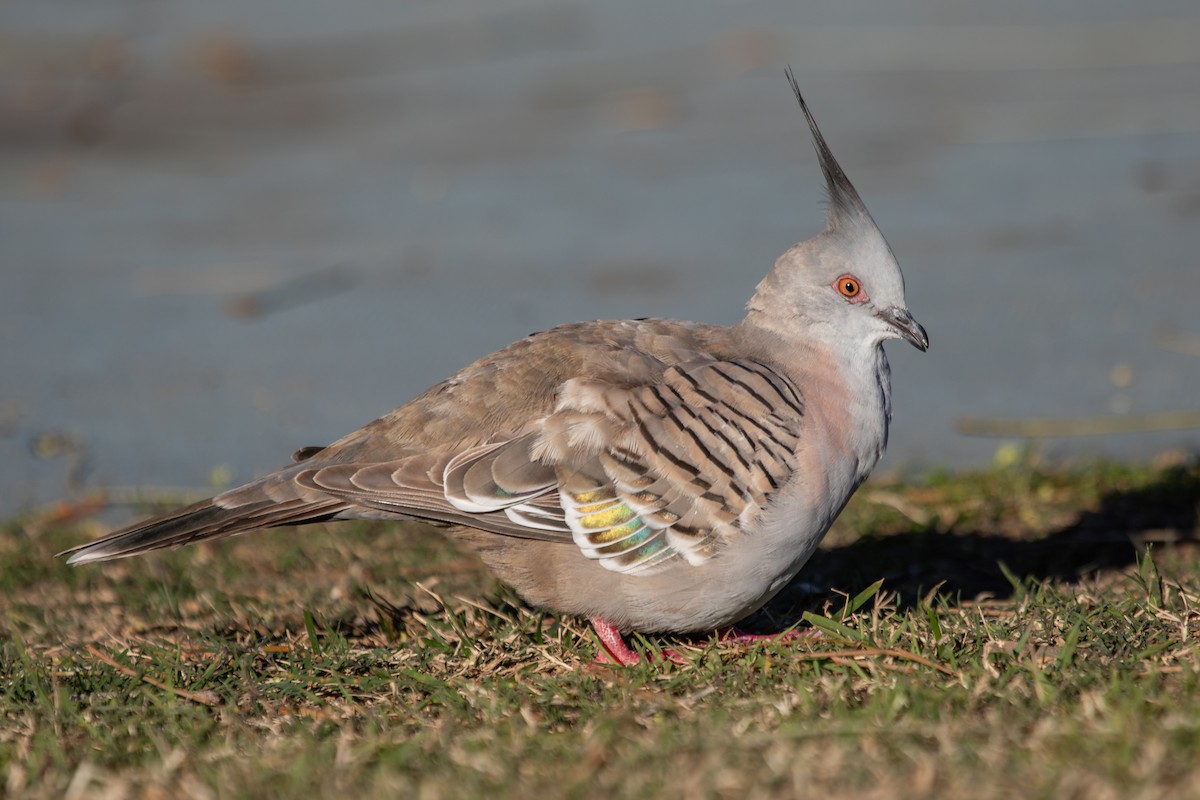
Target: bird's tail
(208, 519)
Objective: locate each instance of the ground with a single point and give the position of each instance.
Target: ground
(1027, 631)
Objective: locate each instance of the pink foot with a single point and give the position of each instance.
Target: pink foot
(614, 650)
(738, 636)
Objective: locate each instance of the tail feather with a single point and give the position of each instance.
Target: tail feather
(203, 520)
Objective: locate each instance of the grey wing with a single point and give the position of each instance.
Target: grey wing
(674, 469)
(634, 476)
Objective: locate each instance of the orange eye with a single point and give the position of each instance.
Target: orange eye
(849, 286)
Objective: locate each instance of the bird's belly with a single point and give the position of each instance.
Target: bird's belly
(700, 598)
(681, 597)
(745, 572)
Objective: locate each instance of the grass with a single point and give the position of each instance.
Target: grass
(1023, 632)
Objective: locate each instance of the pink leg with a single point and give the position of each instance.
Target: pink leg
(612, 645)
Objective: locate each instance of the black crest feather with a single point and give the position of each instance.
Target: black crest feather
(843, 197)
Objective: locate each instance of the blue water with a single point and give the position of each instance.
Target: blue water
(458, 174)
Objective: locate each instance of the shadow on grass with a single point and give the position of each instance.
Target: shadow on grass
(965, 558)
(970, 561)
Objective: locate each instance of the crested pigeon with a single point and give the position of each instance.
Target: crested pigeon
(651, 475)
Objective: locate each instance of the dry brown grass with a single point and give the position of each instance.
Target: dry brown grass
(1021, 645)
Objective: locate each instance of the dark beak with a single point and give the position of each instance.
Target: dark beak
(909, 328)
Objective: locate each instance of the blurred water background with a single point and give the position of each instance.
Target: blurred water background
(231, 229)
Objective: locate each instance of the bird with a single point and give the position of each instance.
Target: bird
(650, 475)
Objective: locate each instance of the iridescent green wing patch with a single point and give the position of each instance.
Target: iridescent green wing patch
(608, 527)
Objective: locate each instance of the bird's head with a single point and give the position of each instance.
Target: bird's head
(843, 285)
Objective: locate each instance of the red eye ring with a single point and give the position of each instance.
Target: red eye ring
(848, 287)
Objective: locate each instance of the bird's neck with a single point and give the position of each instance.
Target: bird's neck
(856, 401)
(871, 379)
(847, 385)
